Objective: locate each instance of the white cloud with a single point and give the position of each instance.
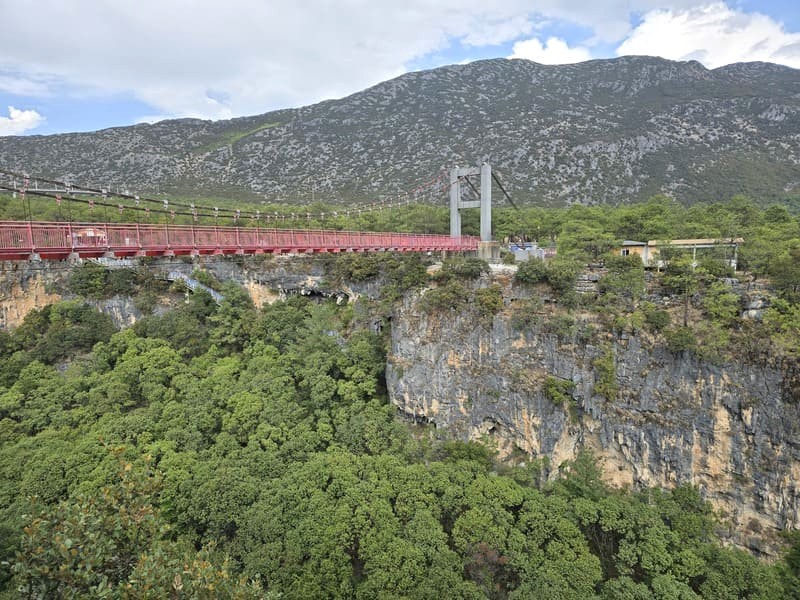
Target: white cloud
(264, 55)
(554, 52)
(23, 86)
(715, 35)
(498, 31)
(256, 55)
(19, 121)
(215, 59)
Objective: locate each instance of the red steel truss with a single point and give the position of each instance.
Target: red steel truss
(21, 240)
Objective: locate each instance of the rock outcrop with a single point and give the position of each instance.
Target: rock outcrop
(733, 430)
(26, 286)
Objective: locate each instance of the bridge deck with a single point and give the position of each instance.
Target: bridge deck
(56, 241)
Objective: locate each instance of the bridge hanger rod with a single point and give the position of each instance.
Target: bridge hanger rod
(502, 189)
(86, 190)
(472, 185)
(104, 204)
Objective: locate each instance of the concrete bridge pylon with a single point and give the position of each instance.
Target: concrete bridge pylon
(488, 249)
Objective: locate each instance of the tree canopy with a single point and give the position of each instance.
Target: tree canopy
(235, 452)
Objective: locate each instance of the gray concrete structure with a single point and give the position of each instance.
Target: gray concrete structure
(484, 203)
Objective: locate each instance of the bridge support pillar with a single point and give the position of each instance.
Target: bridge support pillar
(455, 200)
(457, 177)
(486, 203)
(489, 251)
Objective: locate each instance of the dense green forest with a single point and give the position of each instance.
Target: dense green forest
(228, 451)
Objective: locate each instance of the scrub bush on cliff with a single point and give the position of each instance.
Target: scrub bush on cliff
(451, 296)
(625, 277)
(489, 300)
(533, 270)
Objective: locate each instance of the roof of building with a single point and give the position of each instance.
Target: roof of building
(697, 242)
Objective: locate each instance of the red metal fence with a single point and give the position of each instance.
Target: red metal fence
(56, 241)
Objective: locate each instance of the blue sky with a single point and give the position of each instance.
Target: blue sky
(81, 65)
(781, 10)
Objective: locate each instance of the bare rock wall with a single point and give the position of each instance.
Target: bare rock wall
(733, 430)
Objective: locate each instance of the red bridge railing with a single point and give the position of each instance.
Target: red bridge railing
(55, 241)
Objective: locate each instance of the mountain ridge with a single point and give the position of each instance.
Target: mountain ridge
(602, 131)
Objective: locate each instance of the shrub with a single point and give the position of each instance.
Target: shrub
(61, 329)
(399, 272)
(402, 272)
(533, 270)
(356, 267)
(468, 268)
(716, 267)
(121, 281)
(721, 304)
(88, 280)
(714, 342)
(625, 277)
(631, 322)
(207, 279)
(636, 320)
(679, 339)
(146, 302)
(489, 300)
(449, 296)
(782, 322)
(585, 333)
(606, 374)
(562, 274)
(558, 391)
(561, 325)
(655, 318)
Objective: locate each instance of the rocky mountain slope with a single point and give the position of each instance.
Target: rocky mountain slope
(604, 131)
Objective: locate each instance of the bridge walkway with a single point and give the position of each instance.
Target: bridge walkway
(23, 240)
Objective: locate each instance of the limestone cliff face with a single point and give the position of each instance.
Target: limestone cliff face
(732, 430)
(28, 286)
(25, 286)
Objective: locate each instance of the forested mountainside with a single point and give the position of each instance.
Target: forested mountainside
(253, 448)
(603, 131)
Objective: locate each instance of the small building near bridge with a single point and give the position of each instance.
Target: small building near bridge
(650, 251)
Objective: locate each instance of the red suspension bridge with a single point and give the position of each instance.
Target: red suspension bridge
(58, 241)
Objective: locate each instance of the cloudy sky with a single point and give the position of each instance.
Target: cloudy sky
(81, 65)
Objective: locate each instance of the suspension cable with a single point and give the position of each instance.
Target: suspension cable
(196, 211)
